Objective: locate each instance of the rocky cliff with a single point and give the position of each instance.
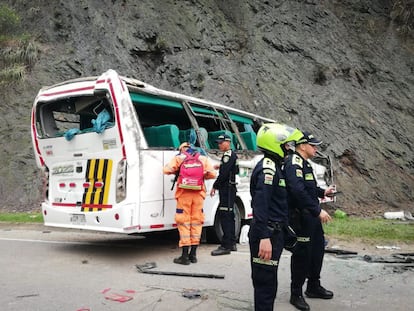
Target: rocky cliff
(341, 69)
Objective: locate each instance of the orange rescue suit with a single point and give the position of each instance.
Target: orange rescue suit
(189, 214)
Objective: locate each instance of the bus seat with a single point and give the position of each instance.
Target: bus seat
(166, 135)
(249, 139)
(188, 135)
(212, 136)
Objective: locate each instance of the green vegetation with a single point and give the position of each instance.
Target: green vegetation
(372, 229)
(21, 217)
(9, 22)
(17, 52)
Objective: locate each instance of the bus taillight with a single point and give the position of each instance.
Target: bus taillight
(98, 184)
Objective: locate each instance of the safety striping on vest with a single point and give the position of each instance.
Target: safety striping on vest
(303, 239)
(261, 261)
(96, 199)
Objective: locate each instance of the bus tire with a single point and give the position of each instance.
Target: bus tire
(215, 232)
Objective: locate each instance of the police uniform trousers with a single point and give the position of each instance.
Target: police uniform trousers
(307, 257)
(264, 273)
(227, 195)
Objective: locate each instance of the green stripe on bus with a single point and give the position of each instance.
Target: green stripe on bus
(154, 100)
(139, 98)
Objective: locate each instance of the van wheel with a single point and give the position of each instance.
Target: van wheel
(215, 233)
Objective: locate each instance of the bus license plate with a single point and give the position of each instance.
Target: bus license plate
(78, 219)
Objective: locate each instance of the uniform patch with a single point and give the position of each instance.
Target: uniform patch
(226, 159)
(268, 179)
(269, 164)
(309, 176)
(297, 160)
(282, 183)
(299, 173)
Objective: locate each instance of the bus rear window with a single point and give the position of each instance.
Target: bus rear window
(77, 114)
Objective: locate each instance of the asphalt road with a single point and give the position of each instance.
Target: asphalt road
(52, 269)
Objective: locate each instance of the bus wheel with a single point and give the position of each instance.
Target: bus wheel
(215, 233)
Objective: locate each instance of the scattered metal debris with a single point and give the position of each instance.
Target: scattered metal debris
(146, 268)
(338, 251)
(27, 296)
(390, 247)
(394, 258)
(191, 293)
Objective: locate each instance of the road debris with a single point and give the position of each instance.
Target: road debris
(402, 215)
(394, 258)
(390, 247)
(146, 268)
(117, 296)
(192, 293)
(338, 251)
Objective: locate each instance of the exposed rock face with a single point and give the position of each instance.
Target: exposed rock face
(337, 68)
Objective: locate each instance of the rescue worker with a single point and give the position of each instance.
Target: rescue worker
(226, 185)
(189, 213)
(306, 219)
(270, 212)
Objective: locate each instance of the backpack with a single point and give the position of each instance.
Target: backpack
(191, 174)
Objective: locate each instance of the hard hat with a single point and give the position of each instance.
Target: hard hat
(271, 137)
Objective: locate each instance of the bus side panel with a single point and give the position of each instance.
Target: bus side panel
(157, 201)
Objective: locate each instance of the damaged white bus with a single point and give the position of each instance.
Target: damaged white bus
(102, 143)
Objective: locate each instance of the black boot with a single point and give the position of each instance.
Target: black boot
(299, 302)
(193, 254)
(221, 251)
(318, 291)
(183, 259)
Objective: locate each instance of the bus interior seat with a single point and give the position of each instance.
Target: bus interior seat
(166, 135)
(212, 136)
(189, 135)
(249, 139)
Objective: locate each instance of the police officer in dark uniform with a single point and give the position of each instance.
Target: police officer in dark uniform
(226, 185)
(270, 212)
(306, 217)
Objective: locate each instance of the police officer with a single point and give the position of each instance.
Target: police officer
(306, 218)
(226, 185)
(270, 212)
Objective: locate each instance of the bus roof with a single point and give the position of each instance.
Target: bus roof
(144, 88)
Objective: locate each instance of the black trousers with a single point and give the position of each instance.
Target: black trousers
(307, 258)
(264, 273)
(227, 196)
